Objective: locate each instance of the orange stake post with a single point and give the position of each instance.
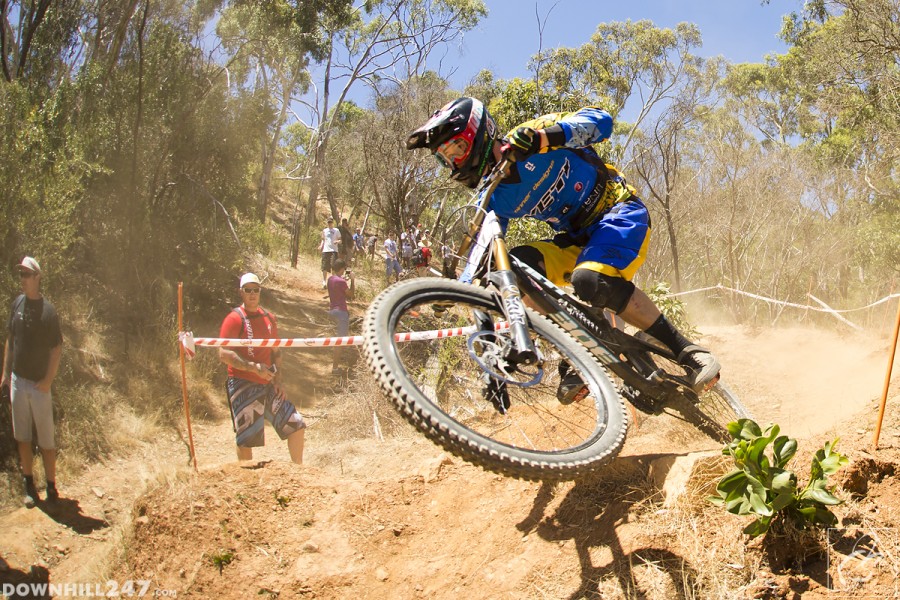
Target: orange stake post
(187, 408)
(887, 380)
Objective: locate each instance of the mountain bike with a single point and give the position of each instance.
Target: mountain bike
(476, 370)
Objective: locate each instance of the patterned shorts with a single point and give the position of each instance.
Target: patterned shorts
(250, 403)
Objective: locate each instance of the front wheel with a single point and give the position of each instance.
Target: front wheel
(452, 382)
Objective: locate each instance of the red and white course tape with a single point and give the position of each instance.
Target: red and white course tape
(190, 342)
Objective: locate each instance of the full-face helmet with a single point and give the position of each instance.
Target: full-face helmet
(460, 136)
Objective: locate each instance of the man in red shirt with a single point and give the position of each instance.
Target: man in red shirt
(422, 258)
(254, 384)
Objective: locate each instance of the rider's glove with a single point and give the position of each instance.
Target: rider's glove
(524, 142)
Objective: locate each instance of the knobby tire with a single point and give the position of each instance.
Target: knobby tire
(440, 388)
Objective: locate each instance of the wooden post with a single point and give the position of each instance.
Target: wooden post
(887, 380)
(187, 408)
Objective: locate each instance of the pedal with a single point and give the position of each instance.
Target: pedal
(712, 382)
(439, 308)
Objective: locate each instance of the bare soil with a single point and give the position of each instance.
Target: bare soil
(393, 517)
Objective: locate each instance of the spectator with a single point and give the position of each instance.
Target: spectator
(422, 258)
(31, 360)
(406, 252)
(345, 250)
(338, 293)
(254, 383)
(370, 243)
(358, 241)
(331, 239)
(446, 260)
(391, 263)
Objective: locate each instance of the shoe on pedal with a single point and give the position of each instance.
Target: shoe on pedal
(571, 388)
(701, 366)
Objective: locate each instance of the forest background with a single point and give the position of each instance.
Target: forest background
(136, 153)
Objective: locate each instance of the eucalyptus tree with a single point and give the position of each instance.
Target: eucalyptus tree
(45, 166)
(623, 60)
(271, 44)
(657, 159)
(849, 51)
(36, 37)
(404, 185)
(389, 40)
(772, 99)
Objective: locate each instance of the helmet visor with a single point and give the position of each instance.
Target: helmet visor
(453, 153)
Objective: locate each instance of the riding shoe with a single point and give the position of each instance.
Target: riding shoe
(571, 388)
(701, 366)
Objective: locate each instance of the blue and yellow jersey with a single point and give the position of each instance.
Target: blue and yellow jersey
(555, 185)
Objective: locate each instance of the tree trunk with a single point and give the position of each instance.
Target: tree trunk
(673, 245)
(270, 152)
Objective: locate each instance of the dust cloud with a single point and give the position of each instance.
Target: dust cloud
(808, 380)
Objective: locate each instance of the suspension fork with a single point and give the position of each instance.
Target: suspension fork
(522, 350)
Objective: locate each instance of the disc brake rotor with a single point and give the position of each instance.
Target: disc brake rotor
(487, 349)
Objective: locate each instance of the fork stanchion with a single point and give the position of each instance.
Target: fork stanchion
(887, 380)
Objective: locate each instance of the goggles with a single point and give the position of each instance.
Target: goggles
(453, 153)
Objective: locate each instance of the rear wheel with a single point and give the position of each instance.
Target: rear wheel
(713, 410)
(709, 411)
(457, 388)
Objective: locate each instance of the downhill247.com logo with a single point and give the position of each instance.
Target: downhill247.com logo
(110, 589)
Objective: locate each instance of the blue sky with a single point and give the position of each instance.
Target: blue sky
(739, 30)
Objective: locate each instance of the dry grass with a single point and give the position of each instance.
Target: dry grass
(359, 410)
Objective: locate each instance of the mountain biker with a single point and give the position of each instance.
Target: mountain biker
(555, 176)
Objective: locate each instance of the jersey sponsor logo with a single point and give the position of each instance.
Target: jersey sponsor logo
(551, 195)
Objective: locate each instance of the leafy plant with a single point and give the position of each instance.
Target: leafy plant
(760, 485)
(672, 307)
(221, 559)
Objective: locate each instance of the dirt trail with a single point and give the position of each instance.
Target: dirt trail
(398, 518)
(806, 380)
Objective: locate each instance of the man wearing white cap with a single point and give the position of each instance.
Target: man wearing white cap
(32, 354)
(255, 391)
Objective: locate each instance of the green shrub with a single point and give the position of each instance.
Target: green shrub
(672, 308)
(760, 485)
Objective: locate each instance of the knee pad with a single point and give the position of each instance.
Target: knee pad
(531, 256)
(602, 290)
